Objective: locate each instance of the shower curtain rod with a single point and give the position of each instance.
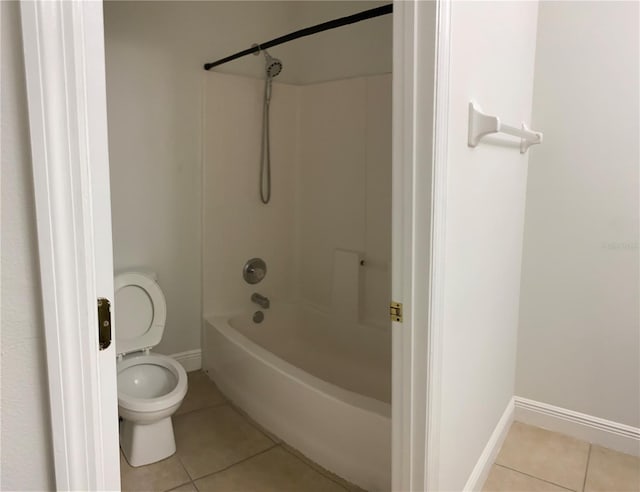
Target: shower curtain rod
(325, 26)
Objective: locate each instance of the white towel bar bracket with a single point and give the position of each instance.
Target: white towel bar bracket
(481, 125)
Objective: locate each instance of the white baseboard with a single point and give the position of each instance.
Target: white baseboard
(613, 435)
(490, 453)
(191, 360)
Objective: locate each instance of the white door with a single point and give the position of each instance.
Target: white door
(65, 69)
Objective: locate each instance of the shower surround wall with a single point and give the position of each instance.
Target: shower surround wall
(237, 226)
(345, 191)
(331, 192)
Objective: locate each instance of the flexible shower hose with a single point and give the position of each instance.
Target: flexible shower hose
(265, 152)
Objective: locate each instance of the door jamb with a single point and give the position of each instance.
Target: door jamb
(438, 242)
(64, 65)
(420, 115)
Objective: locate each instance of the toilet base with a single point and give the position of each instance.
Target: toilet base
(143, 444)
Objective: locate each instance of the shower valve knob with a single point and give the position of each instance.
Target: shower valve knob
(254, 270)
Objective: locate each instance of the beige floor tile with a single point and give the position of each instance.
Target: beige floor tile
(160, 476)
(202, 393)
(323, 471)
(546, 455)
(504, 480)
(187, 487)
(211, 439)
(610, 471)
(273, 471)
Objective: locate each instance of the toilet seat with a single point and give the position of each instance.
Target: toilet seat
(142, 404)
(140, 313)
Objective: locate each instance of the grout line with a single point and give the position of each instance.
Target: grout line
(236, 463)
(279, 442)
(260, 429)
(586, 470)
(183, 467)
(533, 476)
(194, 486)
(271, 437)
(185, 483)
(314, 469)
(201, 408)
(227, 401)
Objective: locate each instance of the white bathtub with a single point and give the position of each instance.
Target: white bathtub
(321, 386)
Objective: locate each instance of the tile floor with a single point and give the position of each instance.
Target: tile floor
(220, 449)
(538, 460)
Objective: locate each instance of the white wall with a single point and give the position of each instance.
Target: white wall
(579, 336)
(155, 52)
(26, 458)
(492, 61)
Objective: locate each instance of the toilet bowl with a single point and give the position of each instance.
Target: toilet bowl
(151, 386)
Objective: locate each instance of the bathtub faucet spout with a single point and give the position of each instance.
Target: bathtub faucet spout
(262, 301)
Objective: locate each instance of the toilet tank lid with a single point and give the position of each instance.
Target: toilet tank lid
(139, 312)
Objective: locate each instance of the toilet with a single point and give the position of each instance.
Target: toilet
(151, 386)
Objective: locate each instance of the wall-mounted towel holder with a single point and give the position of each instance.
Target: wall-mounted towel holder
(481, 125)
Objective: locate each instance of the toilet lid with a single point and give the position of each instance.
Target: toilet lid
(140, 311)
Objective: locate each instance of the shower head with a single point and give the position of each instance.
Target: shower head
(273, 65)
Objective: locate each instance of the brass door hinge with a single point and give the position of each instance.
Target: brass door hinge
(395, 309)
(104, 323)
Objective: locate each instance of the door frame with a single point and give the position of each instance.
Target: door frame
(420, 123)
(65, 72)
(63, 45)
